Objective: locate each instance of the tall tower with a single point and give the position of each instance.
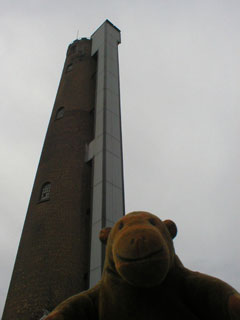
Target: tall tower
(78, 187)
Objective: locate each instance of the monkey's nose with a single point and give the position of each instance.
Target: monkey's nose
(138, 240)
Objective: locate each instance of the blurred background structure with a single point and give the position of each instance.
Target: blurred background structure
(78, 188)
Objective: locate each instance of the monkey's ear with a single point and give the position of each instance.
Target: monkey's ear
(103, 234)
(172, 228)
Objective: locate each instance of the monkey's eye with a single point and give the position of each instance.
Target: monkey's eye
(152, 221)
(120, 225)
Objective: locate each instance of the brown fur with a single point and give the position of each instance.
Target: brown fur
(144, 279)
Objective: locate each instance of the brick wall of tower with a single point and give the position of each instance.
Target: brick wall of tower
(53, 256)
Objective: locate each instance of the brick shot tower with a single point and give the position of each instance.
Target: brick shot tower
(78, 187)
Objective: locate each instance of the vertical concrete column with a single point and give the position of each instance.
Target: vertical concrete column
(106, 148)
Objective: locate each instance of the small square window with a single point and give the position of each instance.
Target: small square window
(69, 67)
(45, 192)
(59, 113)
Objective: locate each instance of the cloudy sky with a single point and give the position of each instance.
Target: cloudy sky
(180, 81)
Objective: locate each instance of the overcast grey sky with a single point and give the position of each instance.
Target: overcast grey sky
(180, 80)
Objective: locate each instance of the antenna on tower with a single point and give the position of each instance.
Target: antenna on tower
(77, 34)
